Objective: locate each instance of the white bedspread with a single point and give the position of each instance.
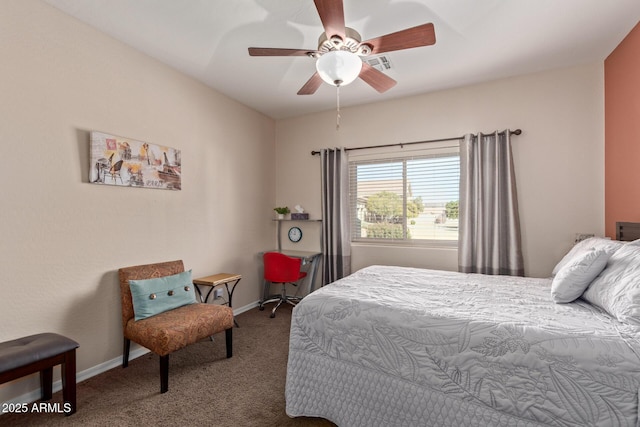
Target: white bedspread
(392, 346)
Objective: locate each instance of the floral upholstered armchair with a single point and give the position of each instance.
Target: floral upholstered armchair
(162, 314)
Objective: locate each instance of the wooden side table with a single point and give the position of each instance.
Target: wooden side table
(217, 280)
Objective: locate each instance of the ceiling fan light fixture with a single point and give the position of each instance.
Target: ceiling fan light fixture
(336, 41)
(364, 49)
(339, 67)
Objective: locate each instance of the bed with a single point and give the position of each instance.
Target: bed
(395, 346)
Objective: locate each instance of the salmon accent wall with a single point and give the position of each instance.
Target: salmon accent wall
(622, 133)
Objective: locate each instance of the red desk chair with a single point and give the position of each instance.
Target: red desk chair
(279, 268)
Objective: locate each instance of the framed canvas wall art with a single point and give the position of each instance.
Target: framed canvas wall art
(115, 160)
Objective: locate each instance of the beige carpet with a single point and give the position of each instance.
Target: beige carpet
(205, 388)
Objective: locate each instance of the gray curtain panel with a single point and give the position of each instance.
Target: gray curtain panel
(489, 234)
(336, 246)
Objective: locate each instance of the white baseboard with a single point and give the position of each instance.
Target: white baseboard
(35, 395)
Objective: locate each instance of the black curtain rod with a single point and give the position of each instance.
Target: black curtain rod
(402, 144)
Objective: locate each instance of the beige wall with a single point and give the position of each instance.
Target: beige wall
(63, 239)
(558, 158)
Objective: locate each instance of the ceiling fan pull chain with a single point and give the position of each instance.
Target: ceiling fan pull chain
(337, 107)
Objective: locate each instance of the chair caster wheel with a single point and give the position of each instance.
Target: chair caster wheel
(261, 308)
(272, 315)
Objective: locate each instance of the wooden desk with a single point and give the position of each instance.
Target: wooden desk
(218, 280)
(307, 257)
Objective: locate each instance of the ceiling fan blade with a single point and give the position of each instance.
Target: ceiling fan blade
(274, 51)
(376, 79)
(422, 35)
(312, 85)
(332, 16)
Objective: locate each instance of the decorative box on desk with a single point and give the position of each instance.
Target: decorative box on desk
(298, 216)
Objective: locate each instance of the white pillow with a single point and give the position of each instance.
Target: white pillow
(617, 288)
(634, 242)
(575, 276)
(585, 245)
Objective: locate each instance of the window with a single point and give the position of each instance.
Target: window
(411, 199)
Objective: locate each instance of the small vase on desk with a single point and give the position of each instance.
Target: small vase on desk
(280, 216)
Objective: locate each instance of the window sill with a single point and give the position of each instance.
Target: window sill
(434, 244)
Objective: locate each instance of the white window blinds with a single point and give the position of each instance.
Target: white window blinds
(412, 198)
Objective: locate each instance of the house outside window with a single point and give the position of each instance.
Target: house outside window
(408, 199)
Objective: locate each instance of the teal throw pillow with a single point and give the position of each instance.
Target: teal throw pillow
(154, 296)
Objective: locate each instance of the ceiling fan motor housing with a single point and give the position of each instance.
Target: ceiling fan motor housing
(350, 43)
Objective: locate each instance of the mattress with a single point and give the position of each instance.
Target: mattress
(394, 346)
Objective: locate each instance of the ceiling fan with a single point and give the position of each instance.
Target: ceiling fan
(340, 49)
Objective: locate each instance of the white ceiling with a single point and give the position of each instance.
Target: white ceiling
(476, 41)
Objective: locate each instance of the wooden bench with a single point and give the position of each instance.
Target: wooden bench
(40, 353)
